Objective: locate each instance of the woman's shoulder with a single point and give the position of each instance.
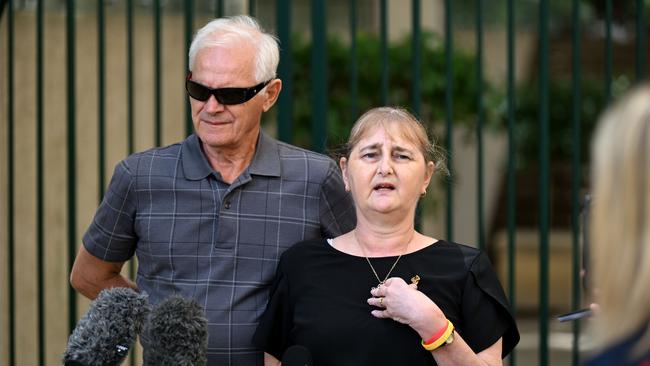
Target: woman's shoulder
(309, 255)
(303, 249)
(452, 250)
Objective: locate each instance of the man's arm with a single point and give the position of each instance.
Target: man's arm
(90, 274)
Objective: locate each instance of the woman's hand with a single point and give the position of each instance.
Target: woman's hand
(405, 304)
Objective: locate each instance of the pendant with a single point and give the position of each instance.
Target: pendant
(378, 285)
(415, 280)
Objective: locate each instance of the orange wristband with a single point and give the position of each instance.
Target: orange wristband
(437, 335)
(431, 345)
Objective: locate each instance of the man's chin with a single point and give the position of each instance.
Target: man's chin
(216, 141)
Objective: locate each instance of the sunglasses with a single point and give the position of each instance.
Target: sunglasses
(225, 96)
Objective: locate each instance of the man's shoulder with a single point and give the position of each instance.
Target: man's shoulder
(300, 164)
(292, 152)
(172, 150)
(160, 155)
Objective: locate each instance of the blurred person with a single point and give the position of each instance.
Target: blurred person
(208, 217)
(383, 293)
(620, 232)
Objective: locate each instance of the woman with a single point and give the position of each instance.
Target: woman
(620, 232)
(384, 294)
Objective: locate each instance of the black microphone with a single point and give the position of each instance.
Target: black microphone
(297, 355)
(108, 330)
(176, 334)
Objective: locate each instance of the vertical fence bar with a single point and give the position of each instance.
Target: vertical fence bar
(101, 93)
(608, 50)
(129, 80)
(449, 114)
(511, 166)
(129, 114)
(416, 66)
(157, 74)
(383, 30)
(416, 59)
(40, 187)
(285, 71)
(319, 75)
(640, 44)
(189, 25)
(354, 72)
(218, 8)
(11, 286)
(71, 158)
(251, 8)
(543, 182)
(479, 122)
(576, 179)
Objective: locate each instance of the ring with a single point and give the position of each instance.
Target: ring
(381, 302)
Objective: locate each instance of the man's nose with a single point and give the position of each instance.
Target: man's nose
(212, 105)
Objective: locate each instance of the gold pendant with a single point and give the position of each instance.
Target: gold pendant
(415, 280)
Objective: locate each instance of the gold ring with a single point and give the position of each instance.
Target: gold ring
(381, 301)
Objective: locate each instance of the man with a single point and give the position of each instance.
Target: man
(209, 217)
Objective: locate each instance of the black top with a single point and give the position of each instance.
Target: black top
(318, 300)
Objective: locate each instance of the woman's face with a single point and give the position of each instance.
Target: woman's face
(385, 172)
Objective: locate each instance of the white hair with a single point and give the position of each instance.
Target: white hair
(240, 28)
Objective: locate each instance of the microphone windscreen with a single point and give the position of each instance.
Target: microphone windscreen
(297, 355)
(108, 330)
(176, 334)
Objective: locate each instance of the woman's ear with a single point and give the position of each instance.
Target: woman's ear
(430, 169)
(343, 164)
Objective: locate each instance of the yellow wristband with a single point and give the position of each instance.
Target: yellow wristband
(441, 340)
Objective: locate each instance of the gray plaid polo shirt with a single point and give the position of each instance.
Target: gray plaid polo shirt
(215, 242)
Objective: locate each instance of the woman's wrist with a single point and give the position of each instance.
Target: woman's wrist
(440, 339)
(436, 335)
(429, 323)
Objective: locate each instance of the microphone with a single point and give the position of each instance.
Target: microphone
(176, 334)
(108, 330)
(297, 355)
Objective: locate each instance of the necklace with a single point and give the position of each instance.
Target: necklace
(380, 282)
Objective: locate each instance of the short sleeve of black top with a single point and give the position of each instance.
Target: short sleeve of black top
(318, 300)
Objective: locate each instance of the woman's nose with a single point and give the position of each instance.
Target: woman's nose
(384, 168)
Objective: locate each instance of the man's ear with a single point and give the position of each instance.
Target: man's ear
(271, 93)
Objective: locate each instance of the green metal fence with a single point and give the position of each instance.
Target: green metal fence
(50, 126)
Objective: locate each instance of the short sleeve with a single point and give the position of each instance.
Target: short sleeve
(275, 324)
(336, 210)
(111, 235)
(486, 311)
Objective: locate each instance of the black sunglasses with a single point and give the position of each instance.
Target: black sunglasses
(226, 96)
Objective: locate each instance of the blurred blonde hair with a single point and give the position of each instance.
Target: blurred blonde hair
(409, 126)
(620, 227)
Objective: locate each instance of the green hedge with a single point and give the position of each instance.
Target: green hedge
(433, 80)
(592, 103)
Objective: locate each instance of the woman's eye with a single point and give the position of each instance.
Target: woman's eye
(402, 157)
(369, 155)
